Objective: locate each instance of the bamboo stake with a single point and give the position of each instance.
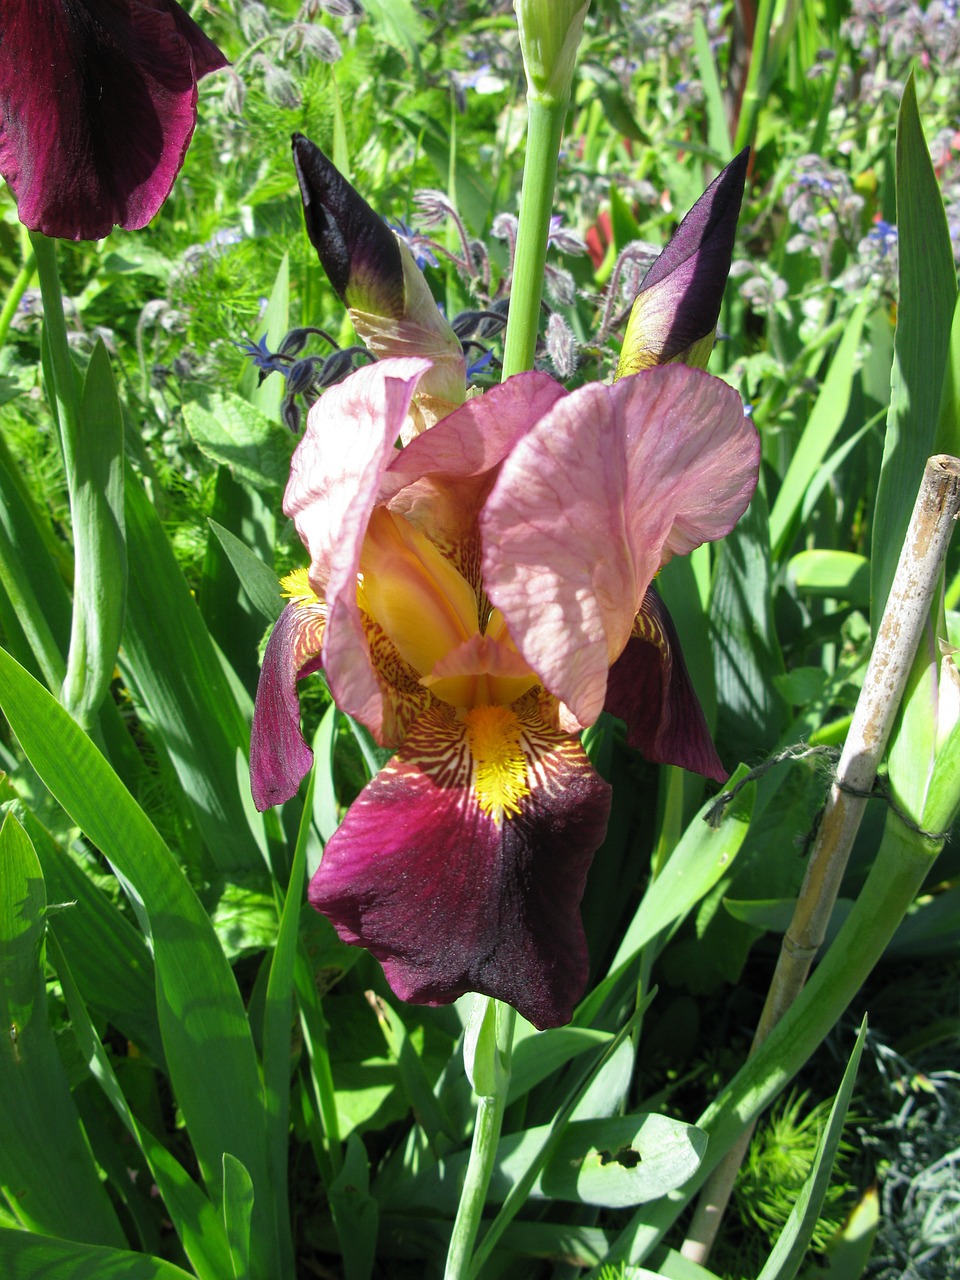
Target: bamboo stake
(907, 609)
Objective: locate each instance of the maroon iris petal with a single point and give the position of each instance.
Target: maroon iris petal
(450, 900)
(650, 688)
(98, 101)
(279, 757)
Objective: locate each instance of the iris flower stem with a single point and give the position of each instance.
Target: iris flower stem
(58, 348)
(544, 129)
(483, 1150)
(17, 290)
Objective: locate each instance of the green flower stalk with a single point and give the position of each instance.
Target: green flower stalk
(549, 35)
(375, 275)
(675, 312)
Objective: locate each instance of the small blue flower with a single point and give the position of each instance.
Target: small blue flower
(478, 365)
(419, 245)
(266, 360)
(884, 236)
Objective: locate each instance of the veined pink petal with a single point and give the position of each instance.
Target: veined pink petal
(650, 688)
(594, 499)
(98, 101)
(335, 476)
(442, 478)
(450, 898)
(279, 757)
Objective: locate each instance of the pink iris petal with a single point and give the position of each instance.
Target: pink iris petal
(650, 688)
(600, 493)
(335, 476)
(98, 101)
(450, 900)
(279, 757)
(442, 478)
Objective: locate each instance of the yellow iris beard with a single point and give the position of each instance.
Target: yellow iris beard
(500, 767)
(296, 586)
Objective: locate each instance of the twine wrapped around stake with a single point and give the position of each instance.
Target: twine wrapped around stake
(907, 609)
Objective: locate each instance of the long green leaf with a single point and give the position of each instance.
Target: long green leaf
(202, 1018)
(194, 1217)
(257, 579)
(704, 854)
(30, 579)
(826, 419)
(928, 296)
(28, 1257)
(109, 958)
(170, 660)
(100, 561)
(750, 712)
(46, 1170)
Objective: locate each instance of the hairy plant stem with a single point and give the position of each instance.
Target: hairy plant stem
(483, 1150)
(544, 130)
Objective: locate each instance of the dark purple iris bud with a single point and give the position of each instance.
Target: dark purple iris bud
(98, 102)
(356, 248)
(675, 313)
(376, 275)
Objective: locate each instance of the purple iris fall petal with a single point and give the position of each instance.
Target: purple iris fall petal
(449, 898)
(650, 688)
(279, 757)
(98, 102)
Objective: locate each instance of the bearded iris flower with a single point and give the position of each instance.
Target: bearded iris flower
(476, 599)
(98, 102)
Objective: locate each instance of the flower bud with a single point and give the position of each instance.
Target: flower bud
(549, 36)
(376, 276)
(675, 312)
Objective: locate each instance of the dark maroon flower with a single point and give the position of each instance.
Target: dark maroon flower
(98, 102)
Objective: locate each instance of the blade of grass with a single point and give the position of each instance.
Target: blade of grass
(793, 1241)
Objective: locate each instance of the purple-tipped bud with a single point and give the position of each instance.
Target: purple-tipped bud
(375, 274)
(356, 248)
(675, 313)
